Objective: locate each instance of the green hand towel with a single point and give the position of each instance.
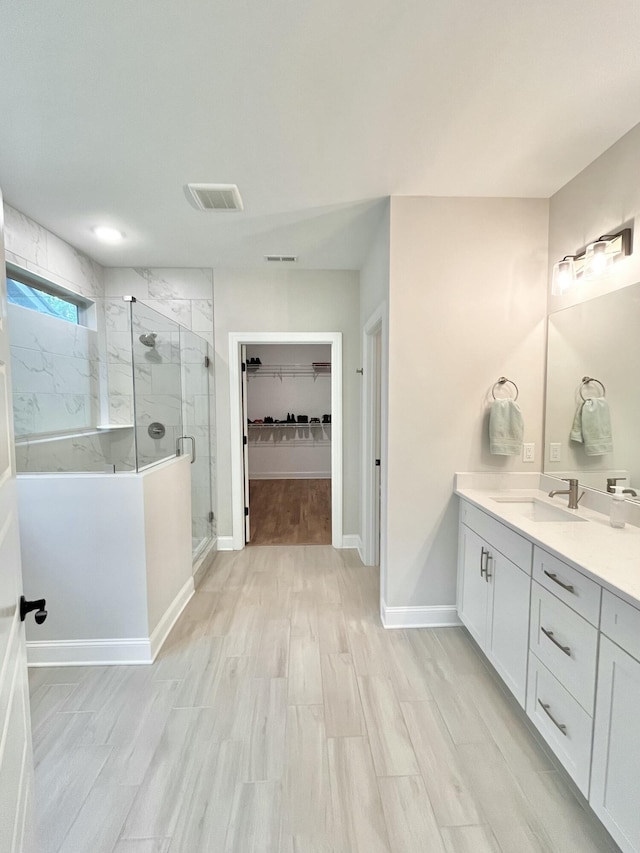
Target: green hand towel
(506, 428)
(592, 425)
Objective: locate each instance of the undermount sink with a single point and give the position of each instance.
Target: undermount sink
(534, 509)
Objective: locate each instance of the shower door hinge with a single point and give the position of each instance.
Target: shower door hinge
(244, 367)
(211, 515)
(246, 510)
(207, 361)
(244, 439)
(377, 463)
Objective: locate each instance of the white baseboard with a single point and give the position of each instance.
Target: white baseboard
(110, 652)
(352, 540)
(225, 543)
(290, 475)
(170, 617)
(135, 650)
(443, 616)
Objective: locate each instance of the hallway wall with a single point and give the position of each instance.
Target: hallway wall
(268, 300)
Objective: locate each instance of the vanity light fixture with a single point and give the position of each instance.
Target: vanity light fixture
(593, 260)
(107, 234)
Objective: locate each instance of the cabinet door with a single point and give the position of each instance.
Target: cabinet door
(473, 590)
(508, 634)
(615, 770)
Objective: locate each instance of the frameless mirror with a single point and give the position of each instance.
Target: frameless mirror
(597, 339)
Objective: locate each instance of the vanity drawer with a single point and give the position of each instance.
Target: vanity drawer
(513, 546)
(563, 723)
(575, 589)
(566, 643)
(621, 623)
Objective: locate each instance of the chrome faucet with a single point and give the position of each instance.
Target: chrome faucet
(572, 491)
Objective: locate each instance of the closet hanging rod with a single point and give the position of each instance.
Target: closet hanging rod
(502, 381)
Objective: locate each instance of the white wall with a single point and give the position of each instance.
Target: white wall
(287, 301)
(289, 452)
(467, 301)
(374, 275)
(603, 197)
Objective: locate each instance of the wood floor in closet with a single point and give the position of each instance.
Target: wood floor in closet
(280, 717)
(290, 512)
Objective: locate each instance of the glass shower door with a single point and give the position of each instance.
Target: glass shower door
(157, 392)
(196, 371)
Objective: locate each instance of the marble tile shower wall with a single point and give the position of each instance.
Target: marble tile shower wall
(182, 295)
(59, 376)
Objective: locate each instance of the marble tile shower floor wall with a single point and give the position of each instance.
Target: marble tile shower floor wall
(280, 717)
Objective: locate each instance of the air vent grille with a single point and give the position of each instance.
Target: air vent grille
(281, 259)
(215, 196)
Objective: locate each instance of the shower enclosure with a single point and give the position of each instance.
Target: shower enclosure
(172, 370)
(146, 386)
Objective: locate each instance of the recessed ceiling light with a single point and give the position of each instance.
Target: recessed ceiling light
(108, 234)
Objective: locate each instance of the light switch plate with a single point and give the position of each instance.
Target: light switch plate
(554, 451)
(529, 452)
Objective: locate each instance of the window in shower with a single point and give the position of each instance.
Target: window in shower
(30, 295)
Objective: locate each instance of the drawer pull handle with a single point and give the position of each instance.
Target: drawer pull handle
(549, 634)
(558, 725)
(569, 587)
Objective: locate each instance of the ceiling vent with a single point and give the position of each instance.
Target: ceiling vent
(281, 259)
(215, 196)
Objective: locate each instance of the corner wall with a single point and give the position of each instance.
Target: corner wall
(467, 298)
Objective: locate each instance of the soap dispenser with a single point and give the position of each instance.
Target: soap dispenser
(617, 518)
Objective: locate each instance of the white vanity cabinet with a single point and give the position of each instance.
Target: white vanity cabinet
(493, 593)
(616, 744)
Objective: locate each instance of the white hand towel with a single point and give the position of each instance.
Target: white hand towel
(592, 425)
(506, 428)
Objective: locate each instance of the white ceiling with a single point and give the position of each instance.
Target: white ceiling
(317, 109)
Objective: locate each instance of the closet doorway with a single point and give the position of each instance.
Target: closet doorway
(287, 403)
(264, 453)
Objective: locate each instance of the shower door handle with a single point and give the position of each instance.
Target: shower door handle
(193, 446)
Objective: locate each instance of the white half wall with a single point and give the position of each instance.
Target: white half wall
(466, 305)
(111, 554)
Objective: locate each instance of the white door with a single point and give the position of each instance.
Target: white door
(377, 479)
(508, 634)
(616, 746)
(245, 442)
(473, 589)
(16, 761)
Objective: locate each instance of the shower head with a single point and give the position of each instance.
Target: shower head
(148, 340)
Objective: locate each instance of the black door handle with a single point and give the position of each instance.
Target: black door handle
(28, 606)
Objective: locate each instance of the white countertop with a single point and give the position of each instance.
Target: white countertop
(609, 555)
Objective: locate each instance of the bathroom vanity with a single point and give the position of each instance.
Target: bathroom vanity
(552, 597)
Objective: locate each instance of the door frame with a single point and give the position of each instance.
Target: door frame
(236, 340)
(377, 323)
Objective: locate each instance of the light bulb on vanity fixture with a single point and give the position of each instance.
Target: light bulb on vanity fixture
(592, 261)
(564, 276)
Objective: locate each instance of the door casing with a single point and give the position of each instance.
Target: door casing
(236, 341)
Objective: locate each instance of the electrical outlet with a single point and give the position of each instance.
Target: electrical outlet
(529, 452)
(554, 451)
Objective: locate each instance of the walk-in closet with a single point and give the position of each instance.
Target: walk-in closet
(288, 458)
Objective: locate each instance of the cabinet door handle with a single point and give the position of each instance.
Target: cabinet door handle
(569, 587)
(545, 708)
(486, 566)
(549, 634)
(483, 552)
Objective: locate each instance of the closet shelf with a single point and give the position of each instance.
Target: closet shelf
(289, 426)
(278, 371)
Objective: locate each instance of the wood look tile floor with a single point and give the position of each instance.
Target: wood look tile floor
(290, 512)
(280, 717)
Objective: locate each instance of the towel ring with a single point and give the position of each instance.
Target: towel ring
(585, 381)
(501, 381)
